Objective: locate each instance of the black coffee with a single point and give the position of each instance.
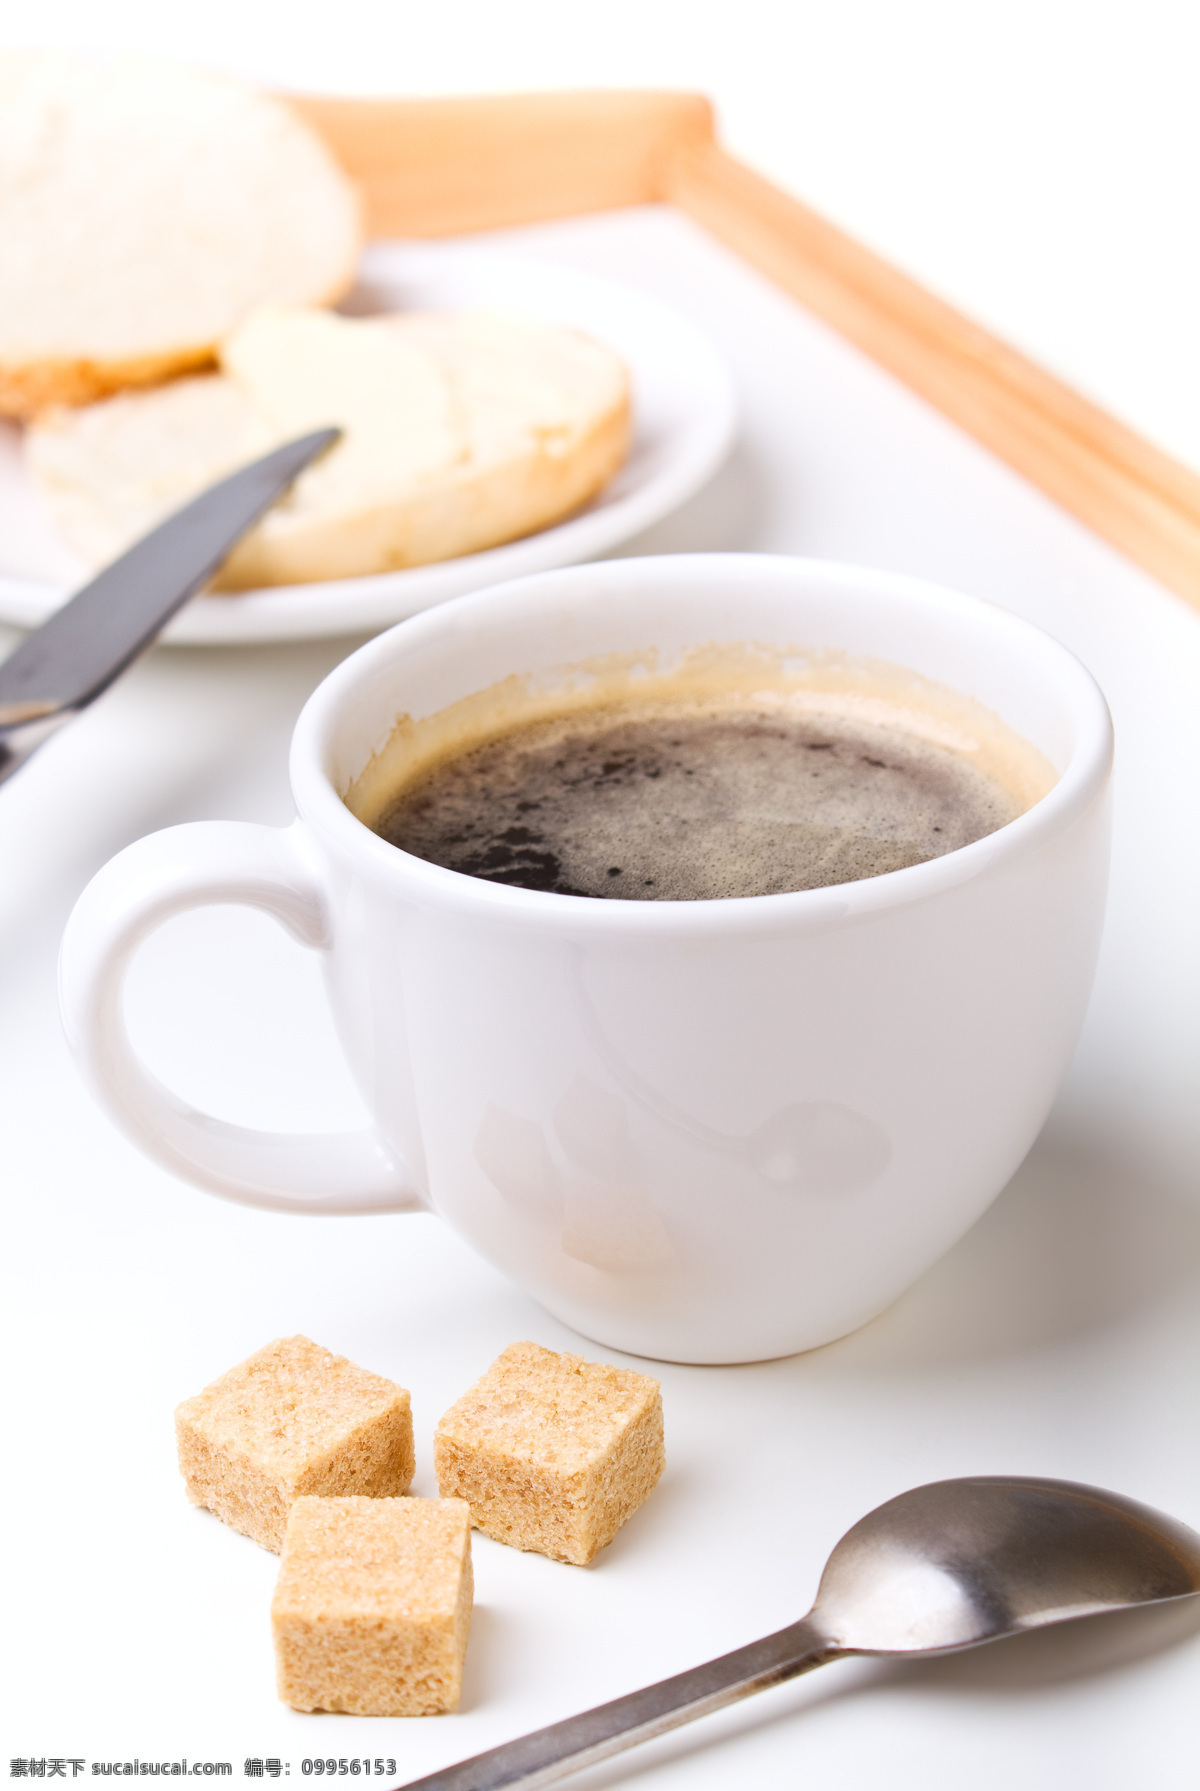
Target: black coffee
(660, 804)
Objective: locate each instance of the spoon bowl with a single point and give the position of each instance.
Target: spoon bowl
(941, 1568)
(960, 1562)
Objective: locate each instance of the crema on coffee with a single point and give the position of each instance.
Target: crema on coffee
(678, 790)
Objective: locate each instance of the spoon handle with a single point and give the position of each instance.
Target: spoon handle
(548, 1755)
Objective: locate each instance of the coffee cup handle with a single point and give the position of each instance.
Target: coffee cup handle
(149, 883)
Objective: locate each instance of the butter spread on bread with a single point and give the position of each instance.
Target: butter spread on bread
(461, 431)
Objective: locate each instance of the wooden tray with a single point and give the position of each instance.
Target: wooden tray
(437, 167)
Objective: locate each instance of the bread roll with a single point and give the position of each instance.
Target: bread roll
(145, 209)
(461, 431)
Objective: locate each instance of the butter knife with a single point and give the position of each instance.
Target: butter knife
(74, 656)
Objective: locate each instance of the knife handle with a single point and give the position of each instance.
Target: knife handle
(144, 886)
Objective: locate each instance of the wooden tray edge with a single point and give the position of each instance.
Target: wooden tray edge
(444, 166)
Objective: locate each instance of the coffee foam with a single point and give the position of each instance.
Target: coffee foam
(730, 676)
(693, 802)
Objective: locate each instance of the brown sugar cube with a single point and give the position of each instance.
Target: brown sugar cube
(291, 1420)
(552, 1453)
(373, 1604)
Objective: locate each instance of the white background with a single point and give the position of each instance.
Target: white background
(1036, 164)
(1035, 161)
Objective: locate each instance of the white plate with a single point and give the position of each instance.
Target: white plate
(684, 416)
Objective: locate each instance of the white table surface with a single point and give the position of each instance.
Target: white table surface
(1059, 1338)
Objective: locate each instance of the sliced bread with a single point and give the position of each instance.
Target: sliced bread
(461, 431)
(145, 209)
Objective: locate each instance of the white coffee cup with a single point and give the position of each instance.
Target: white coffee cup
(709, 1131)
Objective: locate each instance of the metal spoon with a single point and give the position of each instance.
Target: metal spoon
(941, 1568)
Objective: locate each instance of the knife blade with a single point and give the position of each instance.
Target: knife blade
(74, 656)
